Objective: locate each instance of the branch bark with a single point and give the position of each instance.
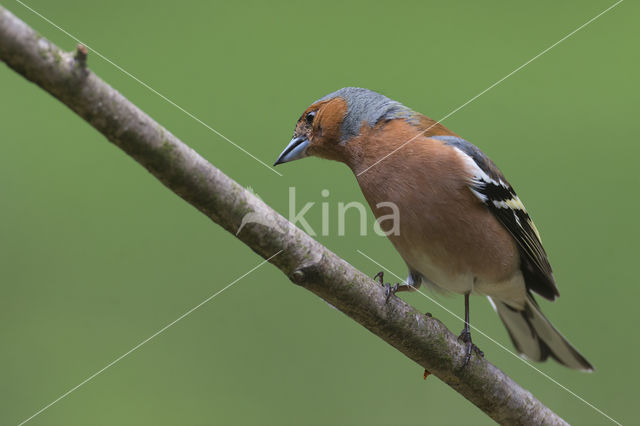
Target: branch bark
(306, 262)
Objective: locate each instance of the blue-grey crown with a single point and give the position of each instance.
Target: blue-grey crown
(369, 106)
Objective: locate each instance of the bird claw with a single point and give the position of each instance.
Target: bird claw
(389, 290)
(465, 337)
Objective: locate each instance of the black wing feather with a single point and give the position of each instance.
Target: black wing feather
(491, 187)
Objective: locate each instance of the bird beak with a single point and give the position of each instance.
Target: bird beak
(296, 150)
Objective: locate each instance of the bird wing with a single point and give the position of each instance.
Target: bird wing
(492, 188)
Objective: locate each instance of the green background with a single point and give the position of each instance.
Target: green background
(96, 255)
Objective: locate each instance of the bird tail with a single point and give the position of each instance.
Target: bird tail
(535, 338)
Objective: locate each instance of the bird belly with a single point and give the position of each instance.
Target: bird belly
(511, 291)
(440, 279)
(443, 230)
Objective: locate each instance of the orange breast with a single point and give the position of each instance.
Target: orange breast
(445, 231)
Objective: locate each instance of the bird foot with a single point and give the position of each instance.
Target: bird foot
(389, 289)
(465, 337)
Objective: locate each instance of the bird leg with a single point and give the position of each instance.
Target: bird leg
(465, 336)
(391, 289)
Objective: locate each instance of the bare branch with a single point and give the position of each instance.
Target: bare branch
(81, 55)
(306, 262)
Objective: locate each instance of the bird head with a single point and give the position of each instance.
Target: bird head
(327, 127)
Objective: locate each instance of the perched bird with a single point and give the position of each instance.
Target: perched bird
(462, 228)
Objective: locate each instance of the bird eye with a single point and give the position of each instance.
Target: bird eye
(309, 117)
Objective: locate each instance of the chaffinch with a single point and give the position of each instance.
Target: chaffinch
(462, 228)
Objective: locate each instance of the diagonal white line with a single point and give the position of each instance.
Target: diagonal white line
(150, 88)
(495, 84)
(498, 343)
(146, 340)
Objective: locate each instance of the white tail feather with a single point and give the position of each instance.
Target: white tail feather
(536, 338)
